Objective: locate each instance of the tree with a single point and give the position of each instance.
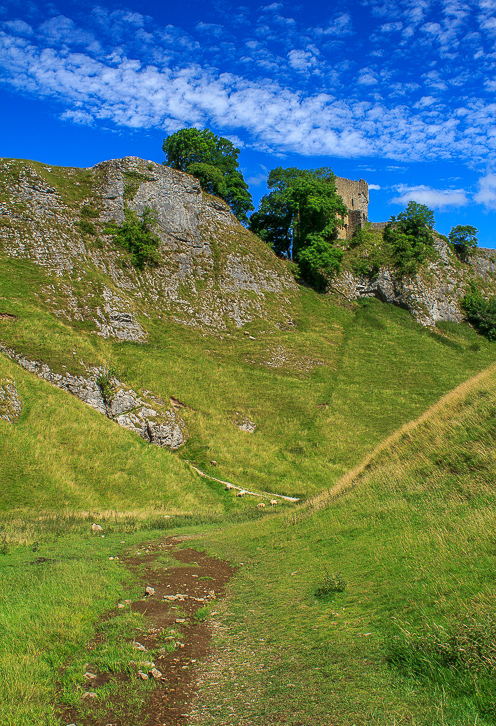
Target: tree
(464, 240)
(213, 160)
(410, 237)
(299, 219)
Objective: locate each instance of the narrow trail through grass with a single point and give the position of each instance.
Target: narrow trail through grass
(346, 482)
(242, 489)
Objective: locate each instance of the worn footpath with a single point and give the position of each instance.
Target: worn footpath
(173, 596)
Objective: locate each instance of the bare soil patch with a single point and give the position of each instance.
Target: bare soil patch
(199, 581)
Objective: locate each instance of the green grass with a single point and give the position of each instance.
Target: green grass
(48, 614)
(409, 639)
(325, 383)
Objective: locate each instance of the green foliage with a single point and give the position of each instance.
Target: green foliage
(88, 212)
(481, 313)
(87, 227)
(368, 252)
(105, 385)
(132, 181)
(319, 261)
(463, 237)
(136, 235)
(214, 161)
(299, 219)
(410, 238)
(331, 585)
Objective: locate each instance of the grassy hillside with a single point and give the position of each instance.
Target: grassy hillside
(322, 393)
(411, 637)
(368, 602)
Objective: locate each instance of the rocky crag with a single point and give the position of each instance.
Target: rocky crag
(213, 274)
(435, 293)
(145, 414)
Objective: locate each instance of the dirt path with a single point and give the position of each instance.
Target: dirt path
(242, 489)
(198, 581)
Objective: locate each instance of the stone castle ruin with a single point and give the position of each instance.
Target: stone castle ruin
(355, 195)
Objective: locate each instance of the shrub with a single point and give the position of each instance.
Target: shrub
(369, 252)
(481, 313)
(87, 227)
(136, 235)
(105, 386)
(331, 585)
(464, 240)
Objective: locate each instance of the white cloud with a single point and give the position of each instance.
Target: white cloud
(434, 198)
(487, 191)
(210, 28)
(63, 30)
(340, 26)
(391, 27)
(302, 60)
(292, 90)
(374, 187)
(18, 26)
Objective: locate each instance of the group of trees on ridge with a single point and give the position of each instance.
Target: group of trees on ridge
(300, 216)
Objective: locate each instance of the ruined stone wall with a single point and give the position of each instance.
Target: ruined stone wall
(355, 195)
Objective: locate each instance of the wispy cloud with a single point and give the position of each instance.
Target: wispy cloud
(487, 191)
(433, 198)
(287, 86)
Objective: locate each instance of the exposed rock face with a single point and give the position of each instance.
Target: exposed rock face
(10, 402)
(434, 294)
(145, 415)
(213, 274)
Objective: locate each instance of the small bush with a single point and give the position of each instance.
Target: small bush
(202, 614)
(331, 585)
(481, 313)
(89, 213)
(105, 386)
(87, 227)
(137, 236)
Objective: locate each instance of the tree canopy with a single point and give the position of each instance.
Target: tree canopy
(299, 218)
(410, 237)
(463, 237)
(213, 160)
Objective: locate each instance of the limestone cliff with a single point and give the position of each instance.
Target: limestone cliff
(435, 293)
(213, 273)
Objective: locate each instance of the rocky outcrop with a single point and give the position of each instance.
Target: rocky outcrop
(213, 274)
(10, 402)
(145, 414)
(434, 294)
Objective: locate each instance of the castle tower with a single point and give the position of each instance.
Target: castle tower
(355, 195)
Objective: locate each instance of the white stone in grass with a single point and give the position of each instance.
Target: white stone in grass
(138, 646)
(96, 528)
(149, 591)
(90, 676)
(155, 673)
(88, 696)
(143, 676)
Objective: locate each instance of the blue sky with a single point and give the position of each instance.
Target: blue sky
(398, 92)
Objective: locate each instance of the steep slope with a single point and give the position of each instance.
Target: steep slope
(214, 275)
(433, 295)
(406, 631)
(284, 389)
